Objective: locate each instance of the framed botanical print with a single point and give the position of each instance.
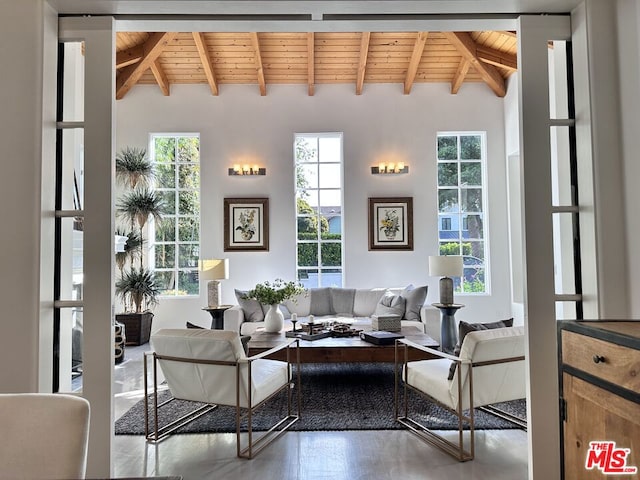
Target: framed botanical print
(391, 223)
(246, 224)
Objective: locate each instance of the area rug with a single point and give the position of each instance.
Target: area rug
(356, 396)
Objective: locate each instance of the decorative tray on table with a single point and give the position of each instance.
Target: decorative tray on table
(342, 330)
(310, 331)
(316, 331)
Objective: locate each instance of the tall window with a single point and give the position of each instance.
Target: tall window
(318, 181)
(461, 205)
(176, 247)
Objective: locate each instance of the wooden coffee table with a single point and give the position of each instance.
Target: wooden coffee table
(340, 349)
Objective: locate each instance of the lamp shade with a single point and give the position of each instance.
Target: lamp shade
(214, 269)
(445, 266)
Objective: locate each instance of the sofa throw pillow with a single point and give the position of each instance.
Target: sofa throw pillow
(415, 298)
(252, 309)
(321, 301)
(342, 300)
(391, 305)
(464, 328)
(366, 300)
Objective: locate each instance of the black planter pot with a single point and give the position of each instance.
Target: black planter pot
(137, 327)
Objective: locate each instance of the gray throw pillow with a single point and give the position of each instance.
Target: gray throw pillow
(391, 305)
(464, 328)
(415, 298)
(252, 309)
(342, 300)
(321, 301)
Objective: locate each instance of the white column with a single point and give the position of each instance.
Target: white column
(600, 166)
(99, 152)
(540, 321)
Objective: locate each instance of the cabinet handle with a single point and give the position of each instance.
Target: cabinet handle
(598, 359)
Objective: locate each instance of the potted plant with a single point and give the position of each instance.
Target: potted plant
(137, 286)
(273, 294)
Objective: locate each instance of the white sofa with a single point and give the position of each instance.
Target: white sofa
(357, 305)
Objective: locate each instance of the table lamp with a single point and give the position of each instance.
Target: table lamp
(214, 270)
(446, 266)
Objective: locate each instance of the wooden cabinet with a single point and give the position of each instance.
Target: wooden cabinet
(600, 398)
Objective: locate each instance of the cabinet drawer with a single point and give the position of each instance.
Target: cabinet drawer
(613, 363)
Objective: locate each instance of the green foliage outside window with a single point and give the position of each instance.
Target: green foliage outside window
(470, 147)
(448, 174)
(453, 248)
(309, 224)
(447, 148)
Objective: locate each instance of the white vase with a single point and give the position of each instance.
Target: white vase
(273, 319)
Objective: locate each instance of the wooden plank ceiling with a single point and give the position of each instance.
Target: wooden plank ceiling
(311, 59)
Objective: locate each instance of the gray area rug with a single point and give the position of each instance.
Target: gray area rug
(357, 396)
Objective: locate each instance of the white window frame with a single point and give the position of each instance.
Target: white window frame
(462, 221)
(151, 237)
(320, 268)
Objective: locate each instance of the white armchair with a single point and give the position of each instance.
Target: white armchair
(44, 436)
(210, 366)
(489, 369)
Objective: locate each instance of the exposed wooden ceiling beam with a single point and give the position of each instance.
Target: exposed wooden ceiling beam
(152, 48)
(463, 42)
(311, 61)
(201, 46)
(129, 56)
(461, 73)
(362, 61)
(416, 55)
(260, 70)
(160, 77)
(497, 58)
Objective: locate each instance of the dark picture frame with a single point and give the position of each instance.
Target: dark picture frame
(246, 224)
(391, 223)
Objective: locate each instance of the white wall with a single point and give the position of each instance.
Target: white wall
(380, 122)
(628, 39)
(514, 192)
(21, 97)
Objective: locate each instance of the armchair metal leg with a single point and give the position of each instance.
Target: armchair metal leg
(159, 433)
(254, 446)
(425, 434)
(497, 412)
(456, 450)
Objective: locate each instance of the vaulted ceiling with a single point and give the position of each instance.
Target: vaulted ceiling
(314, 59)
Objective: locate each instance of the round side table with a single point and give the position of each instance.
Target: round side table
(217, 316)
(448, 330)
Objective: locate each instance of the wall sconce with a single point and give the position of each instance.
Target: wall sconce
(389, 168)
(247, 169)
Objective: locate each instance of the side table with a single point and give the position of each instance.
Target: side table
(448, 331)
(217, 316)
